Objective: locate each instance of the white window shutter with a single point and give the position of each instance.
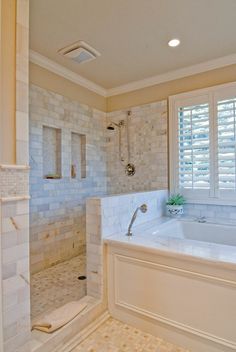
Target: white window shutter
(226, 139)
(194, 147)
(203, 144)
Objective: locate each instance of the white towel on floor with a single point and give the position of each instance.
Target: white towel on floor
(59, 317)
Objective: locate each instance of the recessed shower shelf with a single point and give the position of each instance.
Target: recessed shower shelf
(78, 155)
(51, 153)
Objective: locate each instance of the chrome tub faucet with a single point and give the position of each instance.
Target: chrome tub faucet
(201, 219)
(143, 209)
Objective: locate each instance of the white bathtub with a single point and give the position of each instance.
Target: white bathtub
(208, 241)
(176, 279)
(192, 230)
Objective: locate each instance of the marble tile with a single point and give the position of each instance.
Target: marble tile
(57, 221)
(115, 336)
(148, 149)
(176, 245)
(58, 285)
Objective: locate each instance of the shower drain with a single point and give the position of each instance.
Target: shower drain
(82, 277)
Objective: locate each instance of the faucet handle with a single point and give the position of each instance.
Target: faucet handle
(143, 208)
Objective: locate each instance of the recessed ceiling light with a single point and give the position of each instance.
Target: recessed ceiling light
(174, 42)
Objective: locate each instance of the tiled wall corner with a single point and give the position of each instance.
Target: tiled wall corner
(57, 219)
(148, 149)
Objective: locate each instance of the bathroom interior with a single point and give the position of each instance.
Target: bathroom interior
(118, 175)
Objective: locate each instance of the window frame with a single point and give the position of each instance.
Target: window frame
(211, 96)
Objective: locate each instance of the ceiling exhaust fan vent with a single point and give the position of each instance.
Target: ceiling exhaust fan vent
(80, 52)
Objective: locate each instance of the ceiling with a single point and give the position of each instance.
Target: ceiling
(132, 35)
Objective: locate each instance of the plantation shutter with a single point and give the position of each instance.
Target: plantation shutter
(226, 138)
(203, 144)
(194, 147)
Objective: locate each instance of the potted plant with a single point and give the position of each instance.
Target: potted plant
(175, 204)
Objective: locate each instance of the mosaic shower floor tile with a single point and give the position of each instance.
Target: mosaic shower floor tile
(53, 287)
(115, 336)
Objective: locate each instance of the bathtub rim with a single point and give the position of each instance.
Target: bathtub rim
(170, 253)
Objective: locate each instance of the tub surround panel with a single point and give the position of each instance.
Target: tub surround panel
(57, 222)
(148, 149)
(178, 292)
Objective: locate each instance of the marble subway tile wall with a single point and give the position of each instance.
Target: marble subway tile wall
(117, 210)
(14, 229)
(148, 149)
(15, 272)
(57, 206)
(220, 212)
(111, 214)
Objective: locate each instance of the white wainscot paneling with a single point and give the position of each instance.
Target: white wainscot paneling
(201, 305)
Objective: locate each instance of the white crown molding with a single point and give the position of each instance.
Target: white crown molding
(172, 75)
(60, 70)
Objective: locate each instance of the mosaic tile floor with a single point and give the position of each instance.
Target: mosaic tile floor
(114, 336)
(55, 286)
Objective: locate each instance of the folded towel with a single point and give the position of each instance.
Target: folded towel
(59, 317)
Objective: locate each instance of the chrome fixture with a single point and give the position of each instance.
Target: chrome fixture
(125, 161)
(143, 209)
(201, 219)
(130, 169)
(112, 125)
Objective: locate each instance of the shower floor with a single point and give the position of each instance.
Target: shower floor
(58, 285)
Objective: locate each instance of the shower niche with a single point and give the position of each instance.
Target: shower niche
(78, 155)
(51, 152)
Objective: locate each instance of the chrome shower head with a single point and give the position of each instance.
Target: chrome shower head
(113, 125)
(110, 127)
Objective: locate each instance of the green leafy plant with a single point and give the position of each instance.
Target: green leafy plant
(176, 199)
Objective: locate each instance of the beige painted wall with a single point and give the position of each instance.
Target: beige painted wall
(49, 80)
(8, 82)
(164, 90)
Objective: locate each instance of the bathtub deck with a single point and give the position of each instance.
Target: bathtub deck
(55, 286)
(147, 237)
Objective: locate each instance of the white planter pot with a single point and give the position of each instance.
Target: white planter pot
(175, 209)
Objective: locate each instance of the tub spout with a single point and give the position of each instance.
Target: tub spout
(143, 209)
(201, 219)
